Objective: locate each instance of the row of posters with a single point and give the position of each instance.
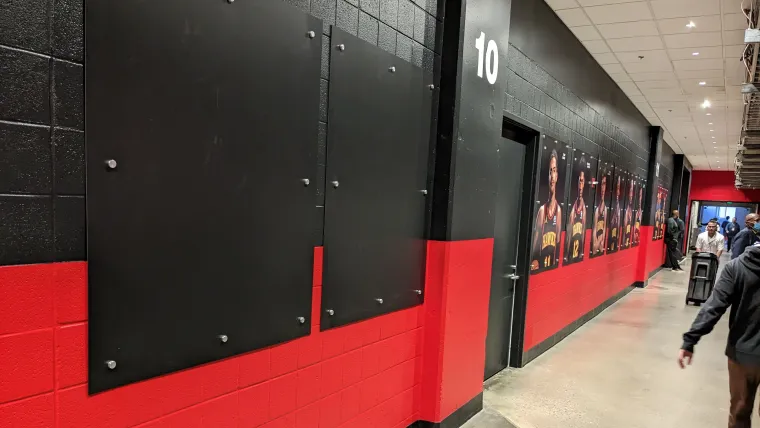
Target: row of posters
(660, 214)
(598, 197)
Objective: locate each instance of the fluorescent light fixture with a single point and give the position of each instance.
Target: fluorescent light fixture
(702, 83)
(691, 24)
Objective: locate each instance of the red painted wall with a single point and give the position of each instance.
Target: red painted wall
(558, 297)
(368, 374)
(719, 186)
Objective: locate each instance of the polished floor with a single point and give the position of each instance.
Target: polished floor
(619, 371)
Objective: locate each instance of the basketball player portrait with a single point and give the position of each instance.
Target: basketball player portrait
(576, 223)
(657, 214)
(628, 219)
(637, 226)
(548, 225)
(613, 241)
(599, 237)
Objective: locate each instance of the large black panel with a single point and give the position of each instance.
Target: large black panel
(201, 229)
(377, 155)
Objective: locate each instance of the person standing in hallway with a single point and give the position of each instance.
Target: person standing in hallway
(746, 236)
(724, 224)
(732, 229)
(710, 241)
(737, 288)
(672, 231)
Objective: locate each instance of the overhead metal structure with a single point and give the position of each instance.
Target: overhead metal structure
(747, 162)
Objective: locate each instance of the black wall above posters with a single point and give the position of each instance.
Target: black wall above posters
(176, 175)
(374, 248)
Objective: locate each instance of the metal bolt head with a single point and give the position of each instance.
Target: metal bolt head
(311, 34)
(330, 312)
(380, 301)
(223, 338)
(111, 164)
(335, 184)
(111, 364)
(341, 47)
(392, 69)
(305, 181)
(230, 1)
(418, 292)
(431, 86)
(301, 320)
(424, 191)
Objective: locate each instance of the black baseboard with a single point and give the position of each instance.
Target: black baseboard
(639, 284)
(456, 419)
(544, 346)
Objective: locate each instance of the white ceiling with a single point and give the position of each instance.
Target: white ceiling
(647, 48)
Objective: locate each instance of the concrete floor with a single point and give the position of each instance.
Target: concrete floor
(619, 371)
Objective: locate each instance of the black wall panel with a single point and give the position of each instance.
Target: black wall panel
(377, 155)
(202, 228)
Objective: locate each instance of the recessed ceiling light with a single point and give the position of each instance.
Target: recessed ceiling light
(702, 83)
(710, 123)
(715, 142)
(712, 130)
(706, 103)
(695, 53)
(691, 24)
(709, 114)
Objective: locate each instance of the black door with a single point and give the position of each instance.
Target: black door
(503, 279)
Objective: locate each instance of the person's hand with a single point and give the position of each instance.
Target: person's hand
(684, 355)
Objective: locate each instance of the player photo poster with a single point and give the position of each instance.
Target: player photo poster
(615, 222)
(601, 208)
(639, 191)
(628, 217)
(578, 206)
(658, 220)
(664, 214)
(547, 230)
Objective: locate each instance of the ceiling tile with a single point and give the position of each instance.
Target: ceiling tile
(596, 46)
(684, 8)
(649, 56)
(699, 64)
(638, 99)
(633, 44)
(733, 37)
(665, 96)
(693, 40)
(709, 83)
(586, 32)
(620, 77)
(629, 88)
(573, 17)
(699, 74)
(678, 25)
(658, 84)
(613, 68)
(734, 51)
(586, 3)
(642, 77)
(648, 66)
(605, 58)
(628, 29)
(734, 21)
(704, 52)
(625, 12)
(562, 4)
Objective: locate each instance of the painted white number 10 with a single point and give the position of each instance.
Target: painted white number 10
(492, 58)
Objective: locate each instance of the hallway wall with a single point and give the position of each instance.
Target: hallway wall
(557, 87)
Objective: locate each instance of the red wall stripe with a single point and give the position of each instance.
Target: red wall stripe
(719, 186)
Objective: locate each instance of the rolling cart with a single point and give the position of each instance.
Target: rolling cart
(704, 270)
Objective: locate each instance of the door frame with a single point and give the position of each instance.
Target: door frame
(752, 206)
(518, 130)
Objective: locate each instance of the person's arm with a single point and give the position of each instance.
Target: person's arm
(738, 245)
(713, 309)
(720, 250)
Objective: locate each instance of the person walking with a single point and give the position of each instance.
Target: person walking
(737, 288)
(672, 230)
(710, 241)
(732, 229)
(724, 224)
(746, 236)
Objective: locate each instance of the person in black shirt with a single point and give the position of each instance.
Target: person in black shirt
(732, 229)
(725, 223)
(746, 236)
(672, 232)
(737, 288)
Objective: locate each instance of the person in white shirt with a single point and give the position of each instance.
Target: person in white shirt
(710, 241)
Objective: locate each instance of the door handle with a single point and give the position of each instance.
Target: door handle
(513, 277)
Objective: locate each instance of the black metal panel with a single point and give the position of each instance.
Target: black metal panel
(205, 227)
(377, 155)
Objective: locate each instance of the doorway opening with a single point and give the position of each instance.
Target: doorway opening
(517, 151)
(702, 212)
